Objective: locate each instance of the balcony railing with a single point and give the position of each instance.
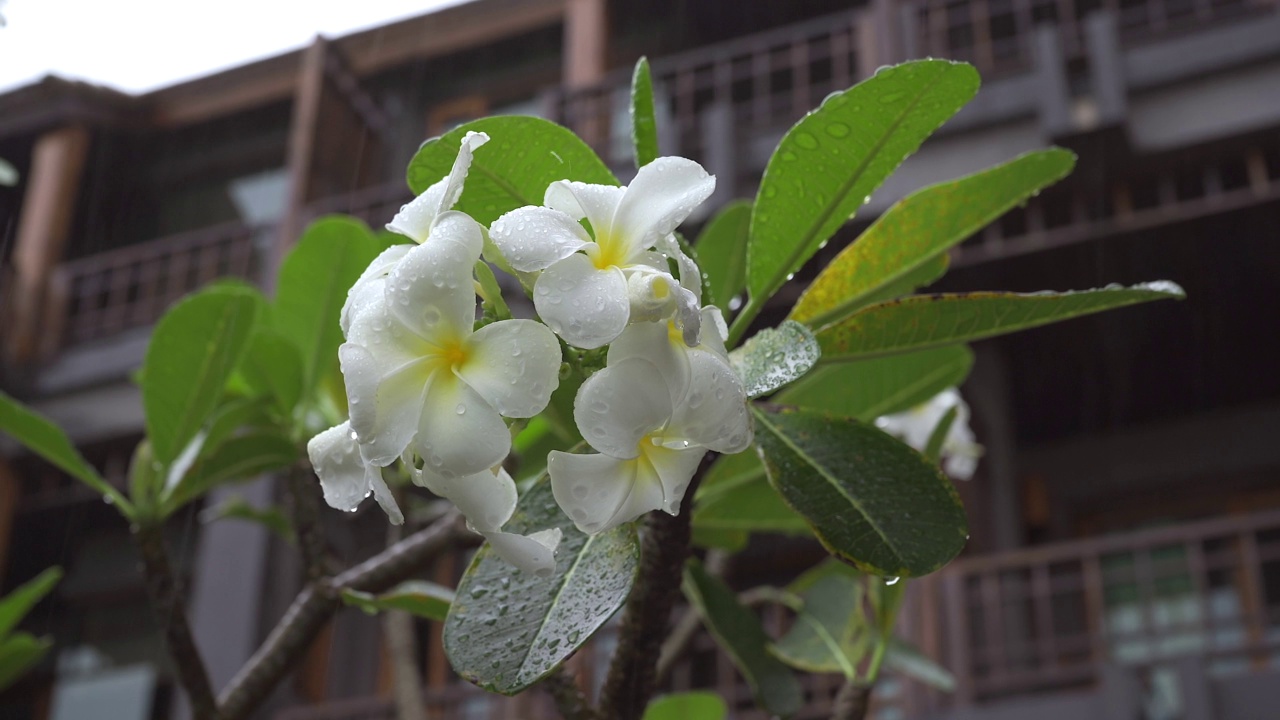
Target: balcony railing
(99, 295)
(763, 81)
(1051, 617)
(998, 36)
(375, 205)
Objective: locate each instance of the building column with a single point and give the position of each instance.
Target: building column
(586, 38)
(48, 206)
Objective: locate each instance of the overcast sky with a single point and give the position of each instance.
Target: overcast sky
(141, 45)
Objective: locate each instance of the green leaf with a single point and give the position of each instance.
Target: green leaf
(925, 321)
(18, 654)
(193, 351)
(687, 706)
(728, 473)
(145, 480)
(826, 568)
(905, 658)
(722, 252)
(312, 288)
(867, 389)
(507, 629)
(753, 507)
(417, 597)
(243, 457)
(714, 538)
(921, 227)
(774, 357)
(272, 368)
(237, 508)
(644, 128)
(830, 162)
(829, 635)
(933, 447)
(16, 605)
(870, 499)
(42, 437)
(738, 631)
(525, 155)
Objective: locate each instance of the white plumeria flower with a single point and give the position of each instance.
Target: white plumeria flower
(960, 450)
(414, 221)
(488, 499)
(585, 291)
(652, 416)
(416, 373)
(344, 475)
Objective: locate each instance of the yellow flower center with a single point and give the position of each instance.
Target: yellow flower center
(608, 252)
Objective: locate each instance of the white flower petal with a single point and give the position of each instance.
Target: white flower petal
(432, 288)
(599, 492)
(514, 365)
(368, 290)
(660, 197)
(586, 306)
(616, 407)
(652, 296)
(531, 238)
(534, 553)
(652, 342)
(486, 498)
(415, 220)
(714, 412)
(714, 331)
(460, 433)
(596, 203)
(382, 494)
(335, 455)
(386, 420)
(690, 275)
(675, 468)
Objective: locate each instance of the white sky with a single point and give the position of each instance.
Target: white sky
(141, 45)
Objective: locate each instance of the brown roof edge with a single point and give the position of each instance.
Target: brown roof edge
(53, 101)
(264, 81)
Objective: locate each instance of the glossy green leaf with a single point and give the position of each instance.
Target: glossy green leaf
(830, 162)
(739, 633)
(523, 157)
(774, 357)
(145, 480)
(239, 458)
(507, 629)
(867, 389)
(933, 447)
(870, 499)
(716, 539)
(826, 568)
(829, 634)
(925, 321)
(905, 658)
(237, 508)
(687, 706)
(42, 437)
(921, 227)
(16, 605)
(644, 128)
(417, 597)
(752, 507)
(312, 288)
(722, 253)
(19, 653)
(272, 368)
(193, 351)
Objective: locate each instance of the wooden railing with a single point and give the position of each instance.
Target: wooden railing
(375, 205)
(763, 81)
(1050, 617)
(998, 36)
(105, 293)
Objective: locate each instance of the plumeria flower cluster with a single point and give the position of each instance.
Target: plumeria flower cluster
(960, 451)
(426, 388)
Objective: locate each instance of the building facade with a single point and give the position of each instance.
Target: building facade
(1125, 553)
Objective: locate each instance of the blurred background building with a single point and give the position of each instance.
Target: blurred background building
(1125, 551)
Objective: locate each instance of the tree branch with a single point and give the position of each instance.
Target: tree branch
(851, 702)
(166, 596)
(401, 638)
(570, 700)
(319, 601)
(633, 672)
(305, 509)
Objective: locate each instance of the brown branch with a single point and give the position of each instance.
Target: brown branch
(319, 601)
(851, 702)
(686, 628)
(400, 636)
(166, 596)
(570, 700)
(664, 547)
(304, 507)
